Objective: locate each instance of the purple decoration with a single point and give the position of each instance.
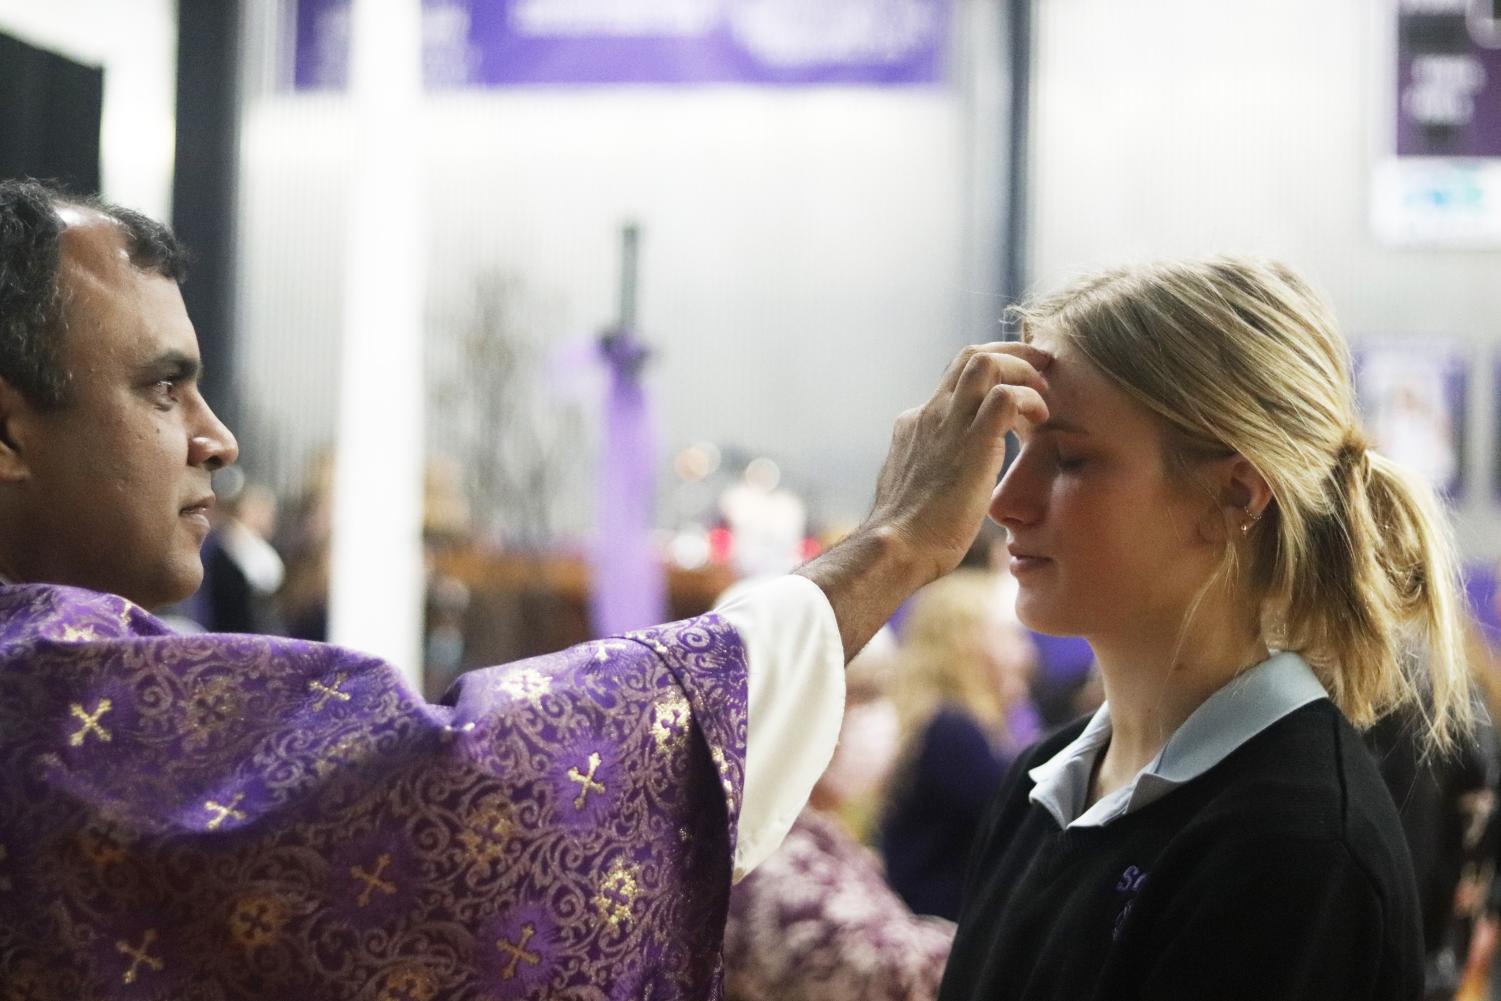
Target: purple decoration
(497, 43)
(629, 586)
(1063, 660)
(1480, 589)
(244, 816)
(1448, 99)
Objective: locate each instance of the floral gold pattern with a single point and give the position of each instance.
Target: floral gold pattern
(274, 818)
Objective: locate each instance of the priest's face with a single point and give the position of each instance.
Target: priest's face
(111, 490)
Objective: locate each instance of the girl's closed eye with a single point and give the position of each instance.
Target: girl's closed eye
(1070, 462)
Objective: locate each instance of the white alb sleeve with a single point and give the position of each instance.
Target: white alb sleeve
(795, 682)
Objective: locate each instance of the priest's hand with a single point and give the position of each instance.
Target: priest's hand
(934, 487)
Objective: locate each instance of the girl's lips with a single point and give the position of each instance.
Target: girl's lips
(1023, 562)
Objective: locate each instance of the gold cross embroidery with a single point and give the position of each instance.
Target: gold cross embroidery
(326, 692)
(668, 716)
(224, 811)
(409, 983)
(90, 722)
(486, 837)
(139, 956)
(256, 920)
(586, 782)
(372, 880)
(101, 848)
(527, 684)
(616, 894)
(518, 952)
(79, 634)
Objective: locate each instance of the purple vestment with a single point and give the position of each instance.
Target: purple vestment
(195, 817)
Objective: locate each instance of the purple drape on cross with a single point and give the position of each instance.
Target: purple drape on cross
(629, 586)
(222, 816)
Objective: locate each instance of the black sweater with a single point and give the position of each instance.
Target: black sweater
(1279, 874)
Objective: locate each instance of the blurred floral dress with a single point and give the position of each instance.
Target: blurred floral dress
(816, 920)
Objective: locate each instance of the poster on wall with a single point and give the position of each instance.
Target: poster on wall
(502, 43)
(1413, 400)
(1437, 180)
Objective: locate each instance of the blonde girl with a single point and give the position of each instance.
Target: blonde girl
(1200, 504)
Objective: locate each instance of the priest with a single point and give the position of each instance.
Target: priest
(222, 816)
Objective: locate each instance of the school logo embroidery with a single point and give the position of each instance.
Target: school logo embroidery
(1130, 883)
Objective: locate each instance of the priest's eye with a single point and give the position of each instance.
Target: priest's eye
(164, 393)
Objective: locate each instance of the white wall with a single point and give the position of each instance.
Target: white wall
(810, 258)
(136, 43)
(1174, 127)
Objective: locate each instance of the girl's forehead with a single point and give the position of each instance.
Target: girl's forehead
(1080, 396)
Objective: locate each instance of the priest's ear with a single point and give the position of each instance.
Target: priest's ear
(13, 409)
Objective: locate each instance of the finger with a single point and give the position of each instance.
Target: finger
(1004, 405)
(956, 369)
(1032, 355)
(986, 369)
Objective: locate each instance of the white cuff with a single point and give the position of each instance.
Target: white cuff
(795, 695)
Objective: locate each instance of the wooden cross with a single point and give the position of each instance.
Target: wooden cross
(372, 880)
(518, 951)
(224, 811)
(139, 956)
(326, 692)
(586, 782)
(90, 722)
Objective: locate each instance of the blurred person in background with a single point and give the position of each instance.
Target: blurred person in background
(817, 921)
(965, 667)
(305, 540)
(1445, 802)
(1202, 507)
(237, 815)
(242, 571)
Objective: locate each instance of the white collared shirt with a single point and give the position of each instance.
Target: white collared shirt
(1249, 704)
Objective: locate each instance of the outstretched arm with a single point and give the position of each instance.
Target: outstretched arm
(934, 487)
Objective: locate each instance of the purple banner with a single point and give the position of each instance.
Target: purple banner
(500, 43)
(1449, 78)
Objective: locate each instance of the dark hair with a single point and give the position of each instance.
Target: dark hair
(31, 304)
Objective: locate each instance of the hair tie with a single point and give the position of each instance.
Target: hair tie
(1353, 453)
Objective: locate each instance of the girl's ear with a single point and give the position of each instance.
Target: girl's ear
(1241, 494)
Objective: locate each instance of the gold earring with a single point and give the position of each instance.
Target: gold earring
(1255, 516)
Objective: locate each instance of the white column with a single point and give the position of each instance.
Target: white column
(377, 573)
